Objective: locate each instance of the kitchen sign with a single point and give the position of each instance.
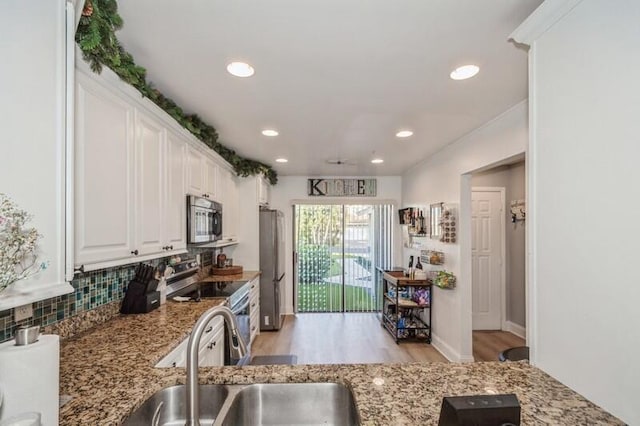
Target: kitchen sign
(341, 187)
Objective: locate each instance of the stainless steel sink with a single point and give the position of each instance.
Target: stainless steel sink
(166, 407)
(248, 405)
(292, 404)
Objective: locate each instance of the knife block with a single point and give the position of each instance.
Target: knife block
(137, 300)
(152, 301)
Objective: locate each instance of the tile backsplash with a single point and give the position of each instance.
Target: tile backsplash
(92, 290)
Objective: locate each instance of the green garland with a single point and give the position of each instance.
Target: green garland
(100, 47)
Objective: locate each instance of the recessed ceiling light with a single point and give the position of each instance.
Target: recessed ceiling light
(270, 132)
(377, 161)
(281, 160)
(464, 72)
(240, 69)
(404, 133)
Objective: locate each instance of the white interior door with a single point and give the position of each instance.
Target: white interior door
(487, 241)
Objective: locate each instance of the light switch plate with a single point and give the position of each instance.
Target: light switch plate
(23, 312)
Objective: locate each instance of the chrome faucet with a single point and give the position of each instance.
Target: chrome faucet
(238, 350)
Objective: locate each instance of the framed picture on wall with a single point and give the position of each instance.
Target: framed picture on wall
(404, 215)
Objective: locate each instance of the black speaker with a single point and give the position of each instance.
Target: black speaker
(480, 410)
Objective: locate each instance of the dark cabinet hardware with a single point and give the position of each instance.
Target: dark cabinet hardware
(135, 252)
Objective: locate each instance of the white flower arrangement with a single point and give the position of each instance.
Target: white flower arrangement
(18, 245)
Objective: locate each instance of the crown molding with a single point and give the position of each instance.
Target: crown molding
(543, 18)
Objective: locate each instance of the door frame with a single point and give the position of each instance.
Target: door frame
(503, 251)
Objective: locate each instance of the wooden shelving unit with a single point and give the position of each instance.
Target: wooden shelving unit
(402, 316)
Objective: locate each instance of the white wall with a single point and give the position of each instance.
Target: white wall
(512, 179)
(32, 119)
(440, 178)
(584, 159)
(294, 188)
(247, 252)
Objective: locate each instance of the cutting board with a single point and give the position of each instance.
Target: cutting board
(228, 270)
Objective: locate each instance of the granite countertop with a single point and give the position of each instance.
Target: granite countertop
(244, 276)
(109, 371)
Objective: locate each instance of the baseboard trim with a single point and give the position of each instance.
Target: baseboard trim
(447, 351)
(516, 329)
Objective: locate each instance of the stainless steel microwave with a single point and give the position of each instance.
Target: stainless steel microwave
(204, 220)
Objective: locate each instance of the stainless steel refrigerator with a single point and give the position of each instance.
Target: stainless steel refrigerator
(272, 294)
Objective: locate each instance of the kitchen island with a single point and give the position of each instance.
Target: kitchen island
(109, 371)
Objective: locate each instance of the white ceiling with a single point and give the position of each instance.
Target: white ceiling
(336, 78)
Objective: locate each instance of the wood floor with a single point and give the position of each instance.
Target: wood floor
(352, 338)
(488, 344)
(358, 338)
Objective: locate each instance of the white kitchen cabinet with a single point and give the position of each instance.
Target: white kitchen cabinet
(130, 181)
(195, 172)
(263, 191)
(160, 191)
(176, 358)
(230, 205)
(210, 350)
(149, 174)
(254, 308)
(104, 180)
(211, 179)
(175, 207)
(135, 166)
(212, 353)
(202, 175)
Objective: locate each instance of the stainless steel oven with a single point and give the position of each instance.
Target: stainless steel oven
(237, 295)
(239, 305)
(204, 220)
(184, 282)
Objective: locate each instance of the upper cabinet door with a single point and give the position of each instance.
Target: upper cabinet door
(150, 174)
(104, 174)
(176, 221)
(211, 179)
(195, 172)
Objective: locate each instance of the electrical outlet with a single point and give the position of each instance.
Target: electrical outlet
(23, 312)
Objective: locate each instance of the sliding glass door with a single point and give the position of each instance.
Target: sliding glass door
(337, 250)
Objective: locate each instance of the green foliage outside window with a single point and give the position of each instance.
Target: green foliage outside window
(314, 262)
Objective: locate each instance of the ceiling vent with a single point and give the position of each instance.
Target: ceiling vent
(341, 162)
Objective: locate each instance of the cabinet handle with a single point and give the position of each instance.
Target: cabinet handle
(211, 345)
(173, 364)
(170, 247)
(208, 330)
(135, 252)
(253, 305)
(253, 328)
